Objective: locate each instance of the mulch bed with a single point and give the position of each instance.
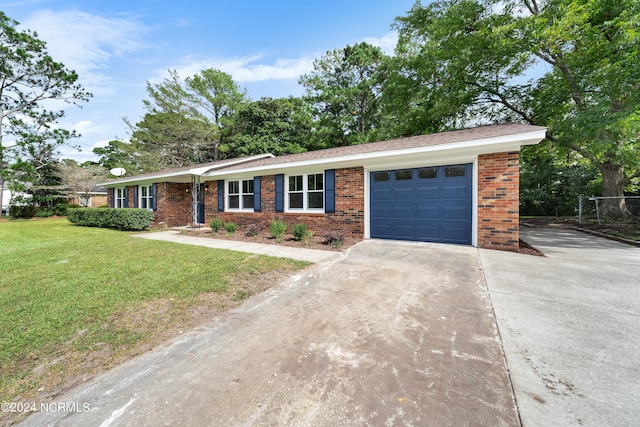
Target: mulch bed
(318, 241)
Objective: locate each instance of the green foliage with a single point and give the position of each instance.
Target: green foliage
(308, 236)
(215, 224)
(17, 211)
(44, 213)
(231, 227)
(299, 231)
(277, 229)
(31, 77)
(551, 181)
(344, 90)
(479, 61)
(134, 219)
(276, 126)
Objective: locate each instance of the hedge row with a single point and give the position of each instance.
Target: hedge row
(122, 219)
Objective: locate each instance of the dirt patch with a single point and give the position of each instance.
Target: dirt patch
(264, 236)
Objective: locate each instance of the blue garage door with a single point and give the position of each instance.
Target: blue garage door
(430, 204)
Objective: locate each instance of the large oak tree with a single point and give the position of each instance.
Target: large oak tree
(570, 65)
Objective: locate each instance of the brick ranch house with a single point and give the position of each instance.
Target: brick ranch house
(452, 187)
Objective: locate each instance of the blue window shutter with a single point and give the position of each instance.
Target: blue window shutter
(257, 202)
(154, 193)
(135, 196)
(112, 197)
(330, 191)
(280, 193)
(125, 204)
(220, 195)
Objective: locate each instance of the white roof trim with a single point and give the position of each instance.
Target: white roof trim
(186, 172)
(473, 147)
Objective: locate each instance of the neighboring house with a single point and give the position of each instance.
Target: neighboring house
(451, 187)
(95, 198)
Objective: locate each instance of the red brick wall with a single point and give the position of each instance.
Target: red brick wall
(349, 215)
(498, 201)
(174, 204)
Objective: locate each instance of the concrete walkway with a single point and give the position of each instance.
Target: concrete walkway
(300, 254)
(393, 333)
(570, 327)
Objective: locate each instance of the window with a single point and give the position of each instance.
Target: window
(306, 192)
(146, 197)
(454, 171)
(121, 200)
(381, 176)
(427, 173)
(240, 195)
(404, 175)
(84, 201)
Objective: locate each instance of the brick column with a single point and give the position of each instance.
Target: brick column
(498, 201)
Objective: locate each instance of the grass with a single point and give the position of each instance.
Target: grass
(66, 289)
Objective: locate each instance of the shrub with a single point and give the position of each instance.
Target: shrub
(335, 238)
(278, 229)
(132, 219)
(215, 224)
(307, 237)
(231, 227)
(44, 213)
(21, 211)
(253, 230)
(299, 231)
(61, 209)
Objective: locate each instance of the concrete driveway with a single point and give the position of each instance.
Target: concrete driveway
(570, 327)
(392, 334)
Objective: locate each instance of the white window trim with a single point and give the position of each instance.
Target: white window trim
(227, 205)
(149, 196)
(119, 200)
(305, 194)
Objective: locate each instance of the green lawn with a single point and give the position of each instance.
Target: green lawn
(62, 286)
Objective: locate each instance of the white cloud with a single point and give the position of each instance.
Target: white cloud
(387, 42)
(87, 127)
(245, 69)
(86, 43)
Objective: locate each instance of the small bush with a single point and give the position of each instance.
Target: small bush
(61, 209)
(278, 229)
(21, 211)
(253, 230)
(131, 219)
(335, 238)
(299, 231)
(44, 213)
(215, 224)
(231, 227)
(307, 237)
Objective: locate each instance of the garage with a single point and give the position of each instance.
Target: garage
(429, 204)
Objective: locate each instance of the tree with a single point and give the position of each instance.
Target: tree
(344, 89)
(479, 61)
(79, 180)
(276, 126)
(172, 133)
(29, 77)
(33, 169)
(216, 96)
(118, 154)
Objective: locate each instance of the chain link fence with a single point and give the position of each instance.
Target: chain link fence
(609, 209)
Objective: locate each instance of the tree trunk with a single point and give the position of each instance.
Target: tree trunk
(613, 182)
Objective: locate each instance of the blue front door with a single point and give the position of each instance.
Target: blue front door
(201, 203)
(429, 204)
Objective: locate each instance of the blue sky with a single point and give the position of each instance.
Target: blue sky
(117, 46)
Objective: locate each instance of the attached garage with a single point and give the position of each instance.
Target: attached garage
(430, 204)
(456, 187)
